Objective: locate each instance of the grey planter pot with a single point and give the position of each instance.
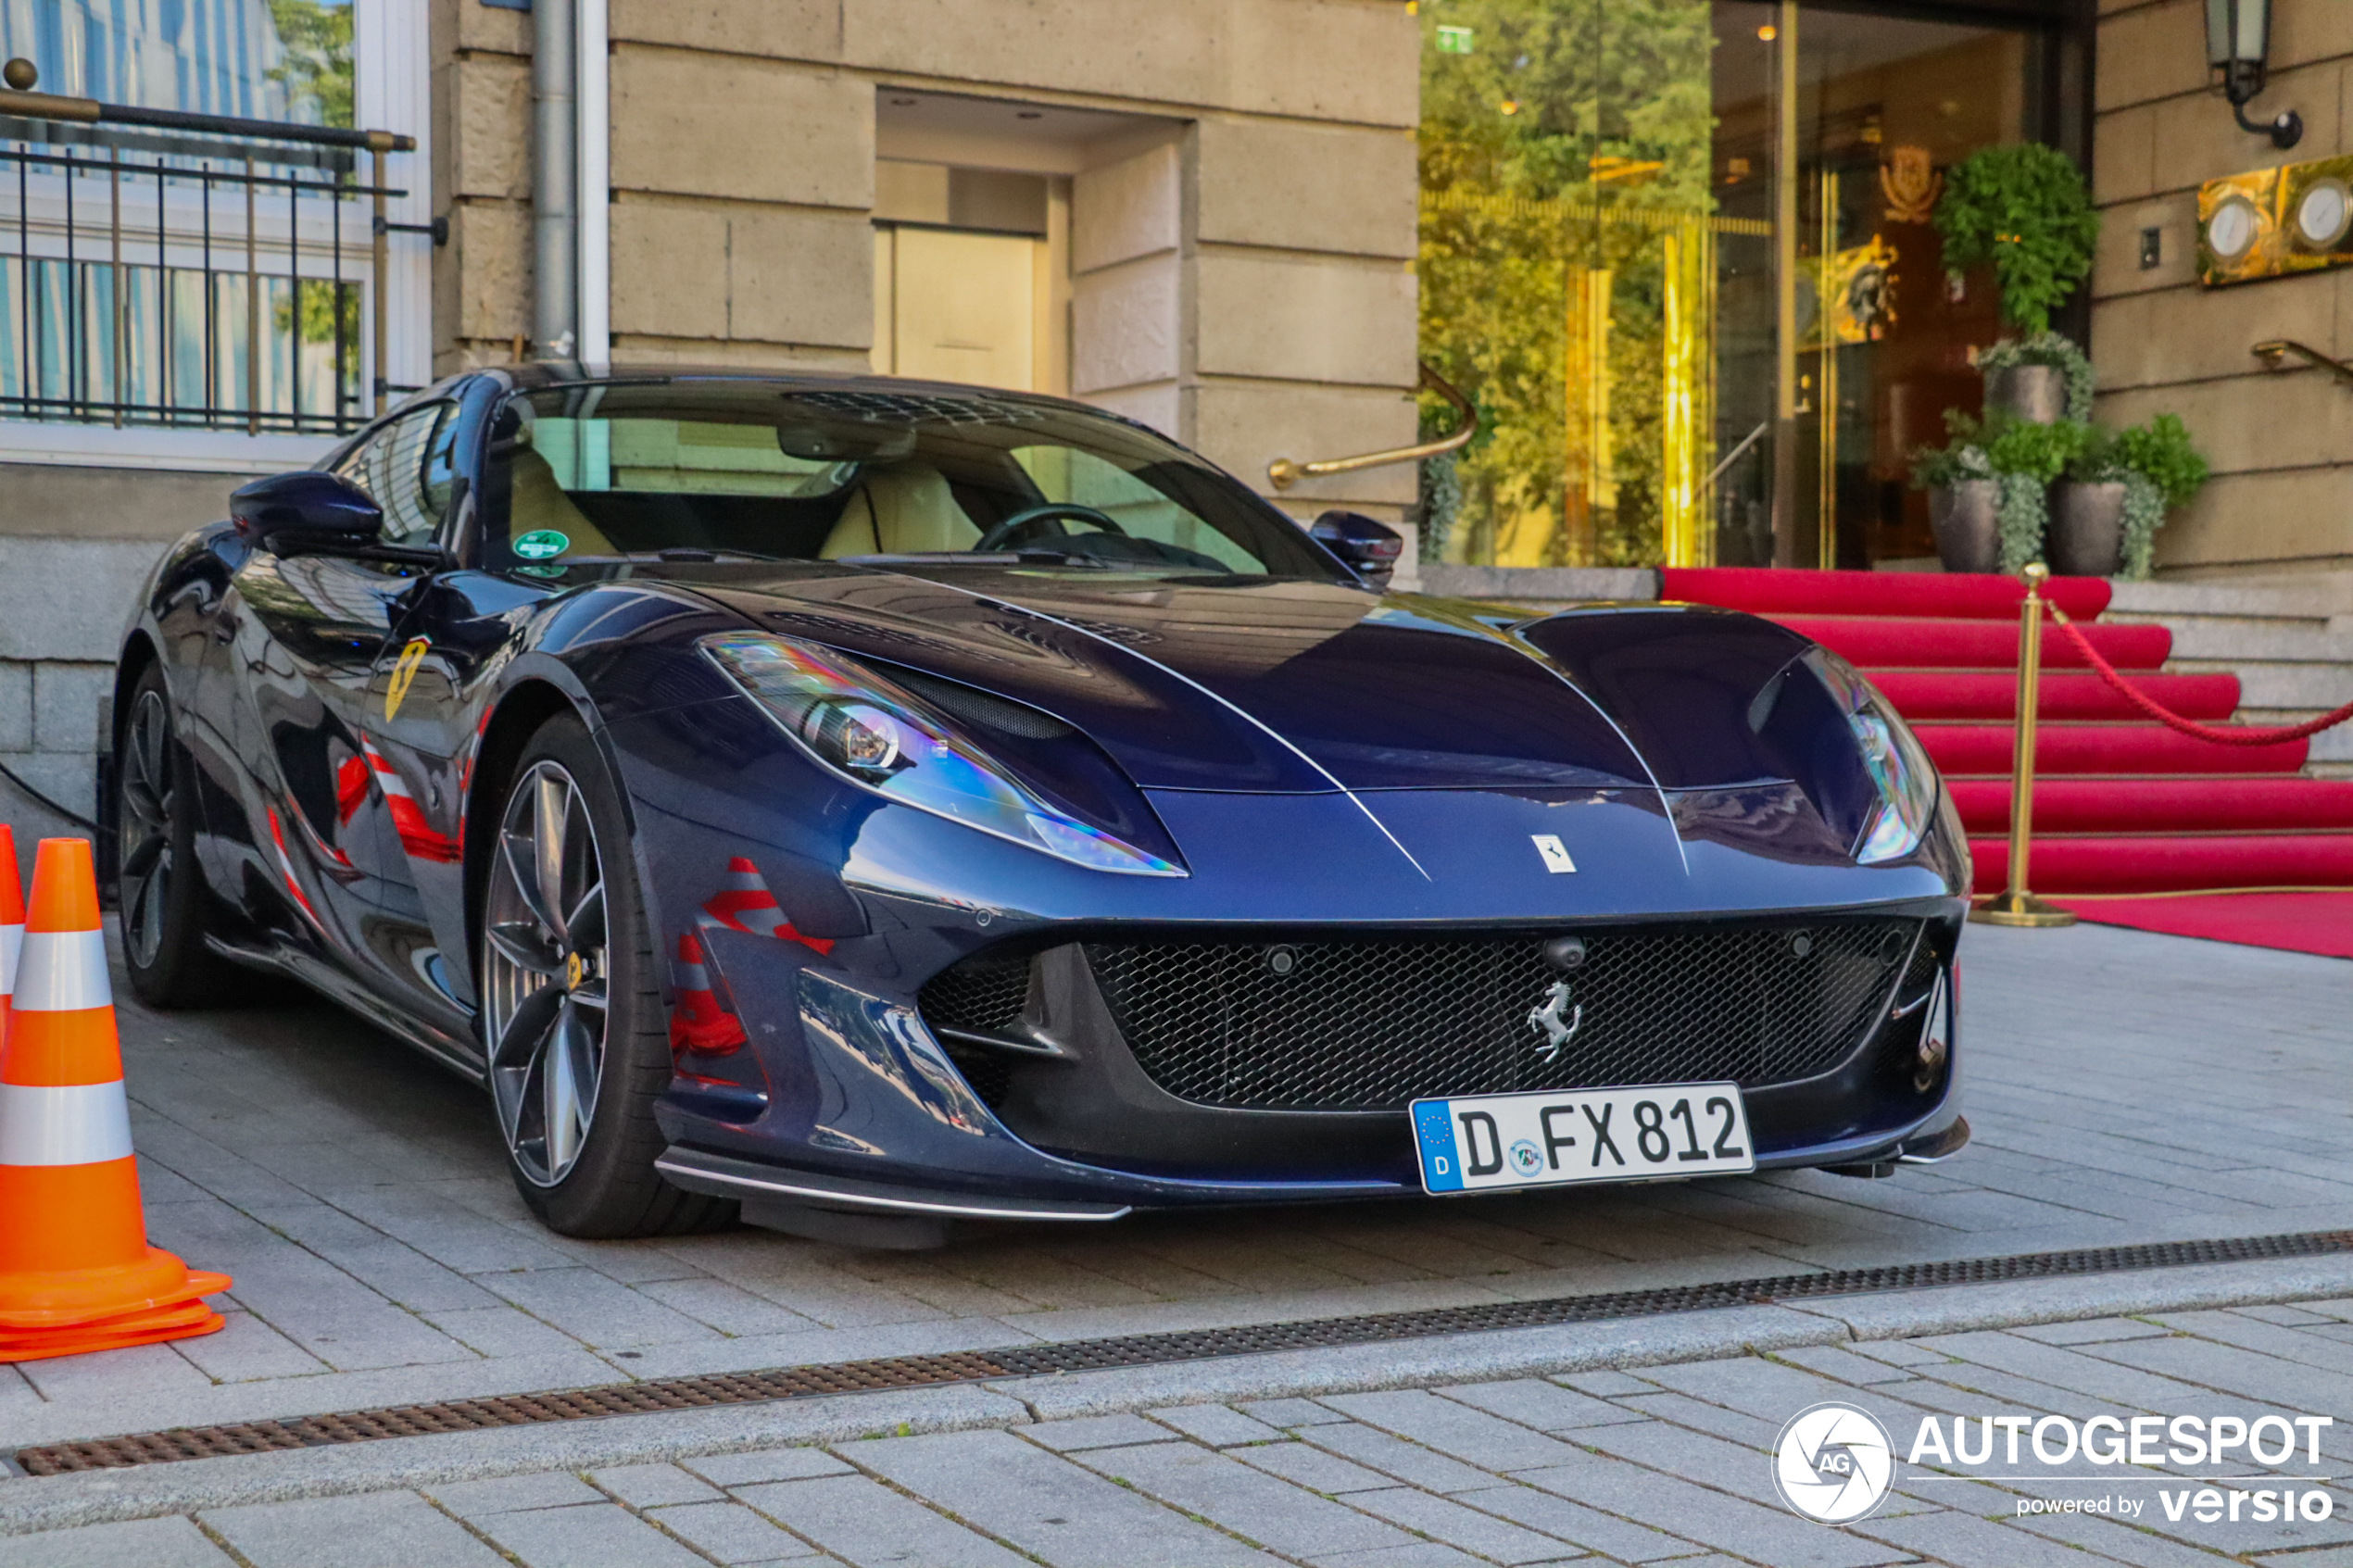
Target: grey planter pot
(1968, 525)
(2087, 530)
(2036, 394)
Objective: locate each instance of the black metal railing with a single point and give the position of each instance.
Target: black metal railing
(163, 268)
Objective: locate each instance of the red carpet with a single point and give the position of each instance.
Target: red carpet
(2301, 923)
(2122, 805)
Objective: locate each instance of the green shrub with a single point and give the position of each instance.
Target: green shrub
(2027, 209)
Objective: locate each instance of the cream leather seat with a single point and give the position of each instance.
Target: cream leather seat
(903, 511)
(535, 502)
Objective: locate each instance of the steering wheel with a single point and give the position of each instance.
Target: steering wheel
(1024, 521)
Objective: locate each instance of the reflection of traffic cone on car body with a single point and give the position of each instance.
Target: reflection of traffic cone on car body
(76, 1272)
(698, 1022)
(744, 903)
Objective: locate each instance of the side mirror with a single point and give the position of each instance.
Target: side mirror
(289, 514)
(1370, 548)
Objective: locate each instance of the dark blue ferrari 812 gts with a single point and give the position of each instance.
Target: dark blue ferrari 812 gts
(870, 806)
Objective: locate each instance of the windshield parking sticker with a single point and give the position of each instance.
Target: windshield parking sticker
(542, 544)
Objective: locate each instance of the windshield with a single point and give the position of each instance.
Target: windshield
(724, 469)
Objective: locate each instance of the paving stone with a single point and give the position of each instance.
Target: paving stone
(1482, 1533)
(1605, 1384)
(1289, 1413)
(1967, 1542)
(512, 1494)
(373, 1530)
(2091, 1331)
(730, 1532)
(1573, 1522)
(1217, 1426)
(1094, 1432)
(1250, 1503)
(1043, 1504)
(653, 1486)
(1734, 1426)
(1418, 1554)
(866, 1524)
(2113, 1537)
(601, 1535)
(248, 1350)
(1900, 1353)
(171, 1542)
(1733, 1525)
(1394, 1456)
(501, 1331)
(1472, 1436)
(765, 1464)
(1533, 1401)
(1313, 1468)
(1833, 1361)
(595, 1309)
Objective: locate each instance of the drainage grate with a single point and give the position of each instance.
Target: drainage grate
(1129, 1350)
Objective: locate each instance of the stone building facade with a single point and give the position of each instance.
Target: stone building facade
(2281, 445)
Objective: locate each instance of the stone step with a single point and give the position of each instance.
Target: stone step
(2241, 638)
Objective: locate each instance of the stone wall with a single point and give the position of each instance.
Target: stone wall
(2281, 445)
(1245, 284)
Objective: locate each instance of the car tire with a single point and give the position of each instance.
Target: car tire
(167, 906)
(574, 1026)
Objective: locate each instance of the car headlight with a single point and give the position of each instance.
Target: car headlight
(1900, 771)
(885, 739)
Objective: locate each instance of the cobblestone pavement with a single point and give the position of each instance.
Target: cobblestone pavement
(1663, 1464)
(2124, 1086)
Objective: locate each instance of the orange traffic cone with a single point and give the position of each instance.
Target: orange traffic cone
(11, 923)
(699, 1023)
(76, 1272)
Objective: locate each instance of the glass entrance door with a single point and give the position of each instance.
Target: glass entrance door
(1678, 252)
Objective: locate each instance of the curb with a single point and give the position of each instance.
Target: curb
(32, 1504)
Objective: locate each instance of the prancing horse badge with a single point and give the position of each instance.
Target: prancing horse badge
(404, 674)
(1555, 853)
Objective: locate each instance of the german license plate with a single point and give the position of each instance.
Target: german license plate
(1483, 1141)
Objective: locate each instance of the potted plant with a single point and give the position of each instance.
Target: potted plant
(2161, 470)
(2020, 457)
(2041, 377)
(2027, 209)
(2086, 537)
(1963, 502)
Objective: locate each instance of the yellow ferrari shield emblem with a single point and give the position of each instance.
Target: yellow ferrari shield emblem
(404, 674)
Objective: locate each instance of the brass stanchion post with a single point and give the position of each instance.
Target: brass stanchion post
(2015, 905)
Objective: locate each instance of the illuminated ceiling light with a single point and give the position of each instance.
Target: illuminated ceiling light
(1767, 33)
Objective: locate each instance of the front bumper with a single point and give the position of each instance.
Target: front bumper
(871, 1111)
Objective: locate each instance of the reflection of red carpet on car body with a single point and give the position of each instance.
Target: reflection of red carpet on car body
(2122, 805)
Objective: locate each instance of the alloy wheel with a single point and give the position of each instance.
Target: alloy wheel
(545, 974)
(146, 822)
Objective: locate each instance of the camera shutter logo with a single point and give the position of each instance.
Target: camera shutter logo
(1833, 1464)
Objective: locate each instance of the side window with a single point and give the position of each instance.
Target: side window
(406, 467)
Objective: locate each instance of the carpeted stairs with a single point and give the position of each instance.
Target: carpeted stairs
(2122, 805)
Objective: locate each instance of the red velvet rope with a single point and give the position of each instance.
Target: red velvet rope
(2190, 726)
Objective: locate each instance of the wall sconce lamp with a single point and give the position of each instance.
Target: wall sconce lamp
(2238, 47)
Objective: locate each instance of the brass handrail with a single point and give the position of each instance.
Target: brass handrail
(2014, 905)
(1283, 473)
(2271, 353)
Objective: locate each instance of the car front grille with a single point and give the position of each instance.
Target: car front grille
(1373, 1023)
